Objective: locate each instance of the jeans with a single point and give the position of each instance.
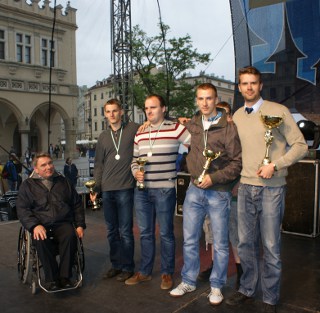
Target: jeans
(197, 204)
(118, 214)
(152, 204)
(260, 213)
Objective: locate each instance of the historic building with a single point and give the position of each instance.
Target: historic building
(103, 90)
(37, 54)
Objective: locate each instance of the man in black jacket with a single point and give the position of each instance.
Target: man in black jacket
(49, 207)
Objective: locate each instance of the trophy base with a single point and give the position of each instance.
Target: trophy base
(95, 207)
(141, 187)
(197, 181)
(266, 161)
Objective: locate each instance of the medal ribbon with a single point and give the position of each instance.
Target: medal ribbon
(151, 144)
(119, 141)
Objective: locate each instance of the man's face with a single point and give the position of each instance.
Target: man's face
(113, 113)
(206, 101)
(250, 87)
(154, 112)
(44, 167)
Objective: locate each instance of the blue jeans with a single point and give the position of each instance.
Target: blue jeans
(260, 213)
(152, 204)
(118, 214)
(197, 204)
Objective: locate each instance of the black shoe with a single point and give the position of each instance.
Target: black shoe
(124, 275)
(112, 273)
(52, 286)
(237, 298)
(205, 275)
(65, 283)
(269, 308)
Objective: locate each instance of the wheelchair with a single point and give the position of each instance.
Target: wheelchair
(30, 269)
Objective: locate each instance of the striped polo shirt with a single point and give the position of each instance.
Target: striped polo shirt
(163, 142)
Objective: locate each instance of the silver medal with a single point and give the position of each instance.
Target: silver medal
(149, 154)
(117, 157)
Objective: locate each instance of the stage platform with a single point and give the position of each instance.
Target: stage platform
(300, 291)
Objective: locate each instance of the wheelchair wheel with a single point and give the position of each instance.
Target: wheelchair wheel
(24, 248)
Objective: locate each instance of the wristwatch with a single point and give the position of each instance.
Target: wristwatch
(275, 167)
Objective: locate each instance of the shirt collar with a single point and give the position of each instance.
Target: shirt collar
(256, 106)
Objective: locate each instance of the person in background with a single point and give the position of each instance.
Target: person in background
(70, 171)
(49, 207)
(114, 179)
(233, 221)
(2, 186)
(159, 143)
(12, 175)
(211, 195)
(262, 189)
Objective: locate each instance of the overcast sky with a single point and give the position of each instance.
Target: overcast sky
(208, 22)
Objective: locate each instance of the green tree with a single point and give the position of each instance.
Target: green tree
(160, 65)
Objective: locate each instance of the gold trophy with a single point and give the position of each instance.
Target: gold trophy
(270, 122)
(90, 184)
(141, 162)
(210, 156)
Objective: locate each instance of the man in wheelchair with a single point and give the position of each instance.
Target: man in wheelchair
(49, 207)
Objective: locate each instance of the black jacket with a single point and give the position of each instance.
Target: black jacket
(36, 205)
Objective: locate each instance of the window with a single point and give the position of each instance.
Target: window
(102, 111)
(102, 125)
(46, 46)
(101, 95)
(23, 48)
(94, 111)
(95, 126)
(2, 44)
(110, 94)
(94, 97)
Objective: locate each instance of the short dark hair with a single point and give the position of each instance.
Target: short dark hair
(207, 86)
(249, 70)
(225, 105)
(113, 101)
(160, 98)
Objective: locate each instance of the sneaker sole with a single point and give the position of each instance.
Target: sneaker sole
(178, 296)
(216, 303)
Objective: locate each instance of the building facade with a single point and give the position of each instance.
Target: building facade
(93, 118)
(36, 57)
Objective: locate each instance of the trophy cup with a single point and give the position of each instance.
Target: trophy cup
(210, 156)
(141, 162)
(270, 122)
(90, 185)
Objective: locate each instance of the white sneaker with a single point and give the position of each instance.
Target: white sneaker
(215, 296)
(182, 289)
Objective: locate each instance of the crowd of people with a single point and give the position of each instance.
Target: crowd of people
(238, 197)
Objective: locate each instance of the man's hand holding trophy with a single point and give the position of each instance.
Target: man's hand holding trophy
(270, 122)
(210, 156)
(140, 176)
(90, 184)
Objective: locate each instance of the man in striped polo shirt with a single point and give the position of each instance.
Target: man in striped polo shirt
(159, 144)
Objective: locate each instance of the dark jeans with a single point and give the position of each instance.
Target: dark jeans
(118, 214)
(60, 240)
